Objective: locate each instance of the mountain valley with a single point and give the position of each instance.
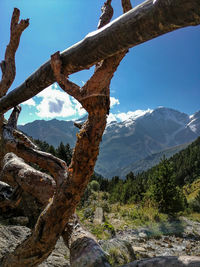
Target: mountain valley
(126, 143)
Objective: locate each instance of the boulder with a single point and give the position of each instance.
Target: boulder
(11, 236)
(182, 261)
(118, 251)
(98, 216)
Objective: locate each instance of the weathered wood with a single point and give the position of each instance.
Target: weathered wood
(9, 200)
(8, 64)
(84, 248)
(145, 22)
(16, 172)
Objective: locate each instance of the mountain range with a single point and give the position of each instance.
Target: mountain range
(128, 143)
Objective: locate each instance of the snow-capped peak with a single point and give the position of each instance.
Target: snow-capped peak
(127, 117)
(194, 123)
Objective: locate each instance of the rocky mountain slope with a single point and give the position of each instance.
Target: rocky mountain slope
(128, 141)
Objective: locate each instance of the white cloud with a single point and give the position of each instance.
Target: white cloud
(113, 101)
(111, 118)
(29, 102)
(56, 103)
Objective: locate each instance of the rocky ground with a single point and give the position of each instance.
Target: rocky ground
(12, 235)
(182, 237)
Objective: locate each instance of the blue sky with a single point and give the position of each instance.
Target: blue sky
(162, 72)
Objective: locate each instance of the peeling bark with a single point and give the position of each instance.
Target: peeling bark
(145, 22)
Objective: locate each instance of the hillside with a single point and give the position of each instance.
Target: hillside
(150, 161)
(126, 142)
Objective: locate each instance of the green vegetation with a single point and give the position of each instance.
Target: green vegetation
(163, 190)
(151, 198)
(116, 257)
(63, 152)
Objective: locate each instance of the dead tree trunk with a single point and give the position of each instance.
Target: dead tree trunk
(105, 48)
(70, 182)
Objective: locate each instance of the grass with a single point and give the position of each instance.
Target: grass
(192, 190)
(116, 257)
(194, 216)
(134, 216)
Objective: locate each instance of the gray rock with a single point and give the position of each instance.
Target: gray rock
(59, 256)
(11, 236)
(143, 235)
(182, 261)
(85, 252)
(20, 220)
(98, 216)
(118, 251)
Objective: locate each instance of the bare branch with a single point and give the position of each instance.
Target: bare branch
(16, 172)
(12, 121)
(143, 23)
(11, 125)
(42, 159)
(126, 5)
(69, 87)
(21, 145)
(8, 64)
(24, 139)
(107, 13)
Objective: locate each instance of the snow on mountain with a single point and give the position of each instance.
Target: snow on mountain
(135, 135)
(194, 123)
(128, 117)
(128, 137)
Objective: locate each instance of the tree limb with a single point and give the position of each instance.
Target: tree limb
(84, 248)
(8, 64)
(21, 145)
(106, 14)
(16, 172)
(145, 22)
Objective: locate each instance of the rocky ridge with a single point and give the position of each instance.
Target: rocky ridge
(127, 141)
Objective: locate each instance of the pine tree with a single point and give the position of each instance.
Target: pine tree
(64, 152)
(164, 190)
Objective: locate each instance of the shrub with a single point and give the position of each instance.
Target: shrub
(94, 185)
(88, 213)
(105, 207)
